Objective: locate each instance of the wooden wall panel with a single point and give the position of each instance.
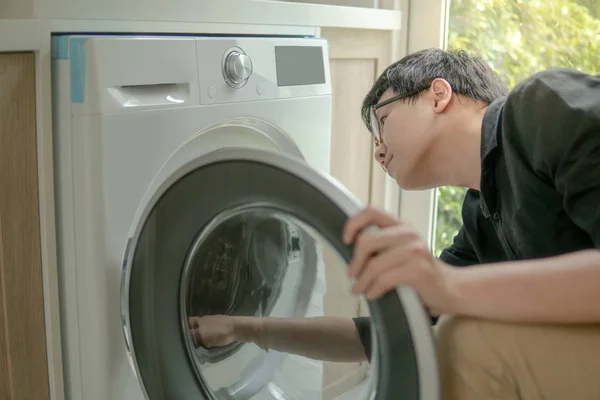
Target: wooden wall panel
(23, 364)
(351, 144)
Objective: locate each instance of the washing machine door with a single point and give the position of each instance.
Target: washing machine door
(250, 232)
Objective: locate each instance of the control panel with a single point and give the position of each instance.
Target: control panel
(182, 71)
(238, 69)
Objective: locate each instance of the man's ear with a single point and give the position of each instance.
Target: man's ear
(440, 92)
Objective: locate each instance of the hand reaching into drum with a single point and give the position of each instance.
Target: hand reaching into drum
(213, 330)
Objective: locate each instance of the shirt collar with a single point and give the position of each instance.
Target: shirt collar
(489, 127)
(490, 140)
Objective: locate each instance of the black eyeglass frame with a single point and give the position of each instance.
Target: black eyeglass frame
(374, 121)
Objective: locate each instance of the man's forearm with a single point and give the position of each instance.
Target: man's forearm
(562, 289)
(320, 338)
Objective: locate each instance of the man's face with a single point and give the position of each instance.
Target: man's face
(409, 131)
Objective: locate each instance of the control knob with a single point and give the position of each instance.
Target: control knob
(237, 68)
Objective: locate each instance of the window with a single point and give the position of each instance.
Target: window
(517, 38)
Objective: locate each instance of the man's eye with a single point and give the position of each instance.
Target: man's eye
(383, 120)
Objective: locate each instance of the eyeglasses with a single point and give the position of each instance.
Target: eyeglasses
(376, 129)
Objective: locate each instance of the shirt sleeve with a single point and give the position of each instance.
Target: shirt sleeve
(461, 252)
(556, 117)
(363, 325)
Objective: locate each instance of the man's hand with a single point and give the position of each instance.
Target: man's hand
(395, 255)
(320, 338)
(213, 330)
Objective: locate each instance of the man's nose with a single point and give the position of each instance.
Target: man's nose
(380, 152)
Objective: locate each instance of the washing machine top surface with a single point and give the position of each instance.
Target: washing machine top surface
(170, 71)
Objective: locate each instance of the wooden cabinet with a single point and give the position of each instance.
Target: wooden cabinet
(357, 58)
(23, 364)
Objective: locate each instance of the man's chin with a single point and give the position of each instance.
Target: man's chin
(409, 182)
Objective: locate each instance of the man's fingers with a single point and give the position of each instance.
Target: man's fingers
(389, 280)
(368, 216)
(367, 245)
(196, 337)
(376, 266)
(194, 322)
(370, 243)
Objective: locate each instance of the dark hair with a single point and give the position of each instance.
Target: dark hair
(468, 76)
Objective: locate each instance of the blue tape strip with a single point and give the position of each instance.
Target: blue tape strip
(77, 61)
(60, 47)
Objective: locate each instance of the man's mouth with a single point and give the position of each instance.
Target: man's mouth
(387, 163)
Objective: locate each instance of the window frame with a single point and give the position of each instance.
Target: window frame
(419, 207)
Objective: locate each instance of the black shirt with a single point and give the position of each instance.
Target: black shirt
(540, 175)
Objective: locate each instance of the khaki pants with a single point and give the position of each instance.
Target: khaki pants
(484, 360)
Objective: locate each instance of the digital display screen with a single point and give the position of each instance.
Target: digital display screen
(299, 65)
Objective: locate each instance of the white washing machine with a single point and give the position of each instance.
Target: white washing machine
(191, 179)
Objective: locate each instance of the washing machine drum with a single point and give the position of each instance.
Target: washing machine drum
(238, 268)
(244, 232)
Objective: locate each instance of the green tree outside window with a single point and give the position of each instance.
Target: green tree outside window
(517, 38)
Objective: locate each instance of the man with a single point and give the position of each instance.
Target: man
(521, 317)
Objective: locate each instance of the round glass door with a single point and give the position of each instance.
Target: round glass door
(234, 287)
(261, 262)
